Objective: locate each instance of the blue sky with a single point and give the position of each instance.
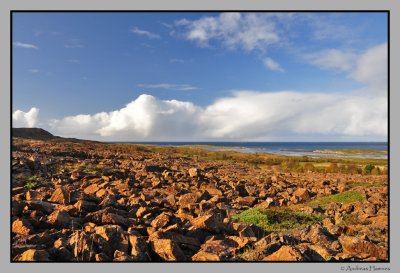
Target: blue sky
(196, 71)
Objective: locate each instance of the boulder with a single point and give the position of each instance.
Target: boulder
(248, 201)
(114, 219)
(33, 255)
(193, 172)
(139, 249)
(60, 196)
(285, 253)
(302, 195)
(167, 250)
(59, 219)
(161, 220)
(22, 226)
(362, 249)
(92, 189)
(212, 222)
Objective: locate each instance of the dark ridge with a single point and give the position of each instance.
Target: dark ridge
(32, 133)
(40, 134)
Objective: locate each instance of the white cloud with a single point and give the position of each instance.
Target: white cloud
(33, 70)
(25, 119)
(333, 59)
(25, 45)
(273, 65)
(245, 115)
(169, 86)
(146, 33)
(249, 31)
(145, 118)
(369, 67)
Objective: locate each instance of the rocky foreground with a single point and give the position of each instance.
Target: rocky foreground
(88, 201)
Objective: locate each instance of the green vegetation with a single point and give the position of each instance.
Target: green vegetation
(276, 219)
(352, 152)
(32, 183)
(343, 197)
(89, 169)
(366, 184)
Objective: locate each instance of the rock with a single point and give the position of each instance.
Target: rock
(302, 194)
(140, 251)
(22, 226)
(60, 196)
(62, 254)
(41, 205)
(205, 256)
(320, 235)
(168, 250)
(142, 211)
(120, 256)
(224, 249)
(33, 255)
(362, 249)
(248, 201)
(115, 236)
(86, 206)
(212, 222)
(114, 219)
(193, 172)
(161, 220)
(35, 196)
(241, 189)
(285, 253)
(101, 257)
(324, 252)
(92, 189)
(59, 219)
(183, 241)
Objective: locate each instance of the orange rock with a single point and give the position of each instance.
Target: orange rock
(22, 226)
(285, 253)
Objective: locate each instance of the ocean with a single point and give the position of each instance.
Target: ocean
(313, 149)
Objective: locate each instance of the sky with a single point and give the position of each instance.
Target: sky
(202, 76)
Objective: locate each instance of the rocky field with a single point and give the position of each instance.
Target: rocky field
(86, 201)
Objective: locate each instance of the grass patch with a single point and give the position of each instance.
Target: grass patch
(32, 183)
(366, 185)
(344, 198)
(275, 220)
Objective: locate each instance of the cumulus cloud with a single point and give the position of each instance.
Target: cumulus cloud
(25, 119)
(233, 30)
(245, 115)
(169, 86)
(25, 45)
(145, 118)
(273, 65)
(146, 33)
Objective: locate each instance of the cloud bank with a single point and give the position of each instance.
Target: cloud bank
(245, 115)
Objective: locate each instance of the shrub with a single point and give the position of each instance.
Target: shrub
(368, 168)
(32, 183)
